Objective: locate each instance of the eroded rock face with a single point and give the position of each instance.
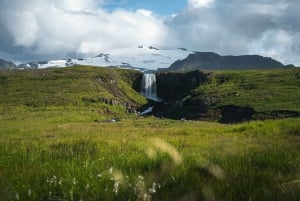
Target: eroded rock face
(236, 114)
(171, 86)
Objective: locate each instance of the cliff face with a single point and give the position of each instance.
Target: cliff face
(213, 61)
(229, 96)
(172, 86)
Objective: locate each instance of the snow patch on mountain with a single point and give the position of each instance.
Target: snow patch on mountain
(140, 58)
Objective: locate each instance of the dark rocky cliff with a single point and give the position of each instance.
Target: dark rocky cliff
(172, 86)
(229, 96)
(213, 61)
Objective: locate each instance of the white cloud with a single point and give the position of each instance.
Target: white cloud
(266, 27)
(64, 28)
(55, 28)
(123, 29)
(75, 5)
(25, 28)
(199, 3)
(144, 12)
(276, 44)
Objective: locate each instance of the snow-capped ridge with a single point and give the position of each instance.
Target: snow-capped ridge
(140, 58)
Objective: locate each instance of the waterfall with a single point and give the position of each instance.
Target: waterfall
(148, 88)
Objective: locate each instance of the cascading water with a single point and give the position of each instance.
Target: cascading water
(148, 88)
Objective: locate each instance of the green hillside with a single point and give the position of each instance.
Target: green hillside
(101, 92)
(51, 147)
(93, 93)
(252, 94)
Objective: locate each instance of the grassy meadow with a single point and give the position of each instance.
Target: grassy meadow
(52, 149)
(149, 159)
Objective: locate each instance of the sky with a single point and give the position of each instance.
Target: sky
(161, 7)
(35, 30)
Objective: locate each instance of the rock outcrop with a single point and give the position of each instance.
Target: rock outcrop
(172, 86)
(228, 96)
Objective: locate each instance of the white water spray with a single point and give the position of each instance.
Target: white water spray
(148, 88)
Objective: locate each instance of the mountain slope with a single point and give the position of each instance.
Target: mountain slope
(140, 58)
(213, 61)
(7, 65)
(103, 91)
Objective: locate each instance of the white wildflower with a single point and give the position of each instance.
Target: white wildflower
(116, 187)
(154, 187)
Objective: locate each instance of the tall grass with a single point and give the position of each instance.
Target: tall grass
(149, 159)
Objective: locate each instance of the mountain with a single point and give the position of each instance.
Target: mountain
(7, 64)
(149, 57)
(138, 58)
(213, 61)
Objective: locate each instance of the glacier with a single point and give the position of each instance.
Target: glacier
(140, 58)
